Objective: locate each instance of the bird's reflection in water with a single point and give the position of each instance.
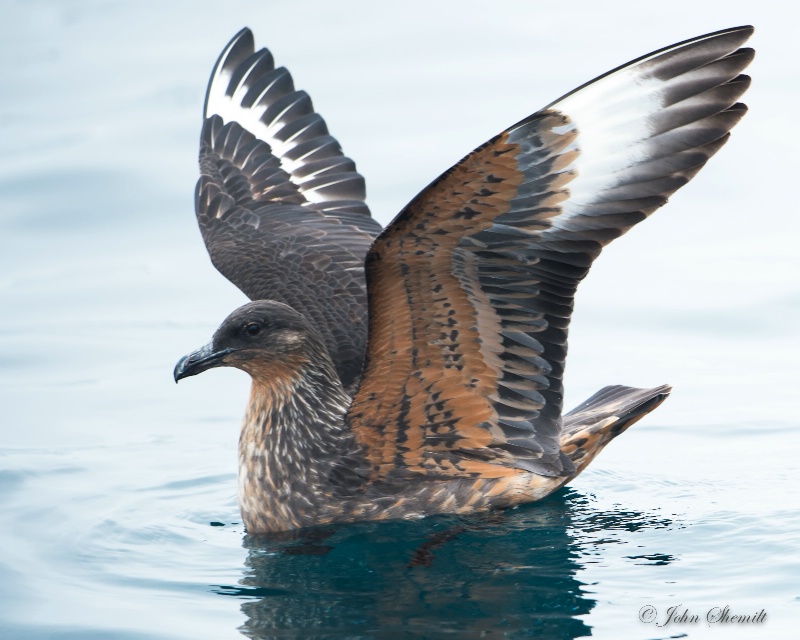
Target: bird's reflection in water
(502, 574)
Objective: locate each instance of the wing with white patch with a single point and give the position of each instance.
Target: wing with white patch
(247, 89)
(471, 287)
(280, 207)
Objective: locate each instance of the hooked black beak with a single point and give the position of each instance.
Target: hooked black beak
(198, 361)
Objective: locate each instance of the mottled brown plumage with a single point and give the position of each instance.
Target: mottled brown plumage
(470, 288)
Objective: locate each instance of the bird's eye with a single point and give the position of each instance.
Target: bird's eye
(252, 328)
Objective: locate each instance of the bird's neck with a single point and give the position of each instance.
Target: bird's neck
(295, 452)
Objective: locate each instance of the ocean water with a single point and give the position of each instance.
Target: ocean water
(118, 514)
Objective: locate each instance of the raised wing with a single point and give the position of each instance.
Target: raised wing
(471, 287)
(280, 207)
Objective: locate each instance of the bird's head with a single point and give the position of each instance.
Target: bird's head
(263, 338)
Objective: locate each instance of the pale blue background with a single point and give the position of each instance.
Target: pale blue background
(109, 474)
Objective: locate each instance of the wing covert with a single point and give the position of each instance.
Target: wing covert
(471, 287)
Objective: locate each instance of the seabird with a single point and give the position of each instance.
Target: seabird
(454, 402)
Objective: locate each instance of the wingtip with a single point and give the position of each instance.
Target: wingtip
(242, 41)
(664, 390)
(732, 37)
(747, 28)
(244, 31)
(744, 31)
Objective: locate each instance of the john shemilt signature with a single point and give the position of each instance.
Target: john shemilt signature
(678, 614)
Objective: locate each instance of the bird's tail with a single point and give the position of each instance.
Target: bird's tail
(592, 425)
